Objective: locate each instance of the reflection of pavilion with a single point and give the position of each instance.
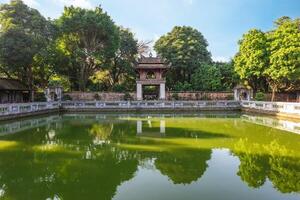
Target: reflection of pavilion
(149, 129)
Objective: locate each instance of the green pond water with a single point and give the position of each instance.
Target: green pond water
(207, 156)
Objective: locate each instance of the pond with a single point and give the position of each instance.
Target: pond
(150, 156)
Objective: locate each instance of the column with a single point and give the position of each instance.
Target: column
(139, 92)
(162, 91)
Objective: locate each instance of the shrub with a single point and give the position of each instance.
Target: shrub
(119, 88)
(97, 97)
(230, 97)
(260, 96)
(40, 97)
(127, 97)
(175, 96)
(183, 86)
(67, 97)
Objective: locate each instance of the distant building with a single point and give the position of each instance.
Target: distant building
(13, 91)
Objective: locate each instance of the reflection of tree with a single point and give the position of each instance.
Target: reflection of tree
(33, 175)
(274, 163)
(101, 132)
(183, 167)
(253, 169)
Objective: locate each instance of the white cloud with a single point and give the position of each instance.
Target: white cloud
(77, 3)
(31, 3)
(220, 59)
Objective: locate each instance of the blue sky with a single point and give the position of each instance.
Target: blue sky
(222, 22)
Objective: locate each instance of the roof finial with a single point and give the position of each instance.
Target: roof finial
(150, 55)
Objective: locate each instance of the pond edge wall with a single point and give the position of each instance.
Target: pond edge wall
(13, 111)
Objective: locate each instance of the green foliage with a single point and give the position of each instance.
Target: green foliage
(272, 57)
(40, 97)
(97, 97)
(185, 86)
(253, 57)
(89, 38)
(229, 78)
(207, 78)
(260, 96)
(175, 96)
(284, 52)
(24, 34)
(184, 48)
(59, 81)
(67, 97)
(128, 97)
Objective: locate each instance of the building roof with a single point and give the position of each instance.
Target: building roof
(12, 84)
(150, 60)
(151, 63)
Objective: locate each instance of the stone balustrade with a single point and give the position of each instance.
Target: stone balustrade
(12, 110)
(23, 108)
(149, 104)
(273, 107)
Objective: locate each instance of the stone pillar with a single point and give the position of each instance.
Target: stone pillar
(236, 95)
(162, 91)
(139, 92)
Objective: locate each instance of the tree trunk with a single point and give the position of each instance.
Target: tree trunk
(274, 89)
(30, 83)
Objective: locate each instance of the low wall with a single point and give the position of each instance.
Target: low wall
(283, 109)
(283, 97)
(185, 96)
(103, 96)
(97, 106)
(10, 111)
(194, 96)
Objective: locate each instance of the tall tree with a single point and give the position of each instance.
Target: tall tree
(185, 49)
(207, 78)
(90, 37)
(24, 32)
(121, 69)
(252, 58)
(284, 54)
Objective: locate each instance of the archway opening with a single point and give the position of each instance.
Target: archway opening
(150, 92)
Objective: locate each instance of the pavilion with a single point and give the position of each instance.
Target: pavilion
(151, 73)
(13, 91)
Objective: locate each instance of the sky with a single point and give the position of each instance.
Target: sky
(222, 22)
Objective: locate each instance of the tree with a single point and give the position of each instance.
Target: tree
(284, 54)
(24, 32)
(229, 78)
(207, 78)
(252, 58)
(121, 70)
(185, 49)
(90, 38)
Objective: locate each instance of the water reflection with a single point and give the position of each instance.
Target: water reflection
(149, 130)
(282, 170)
(91, 156)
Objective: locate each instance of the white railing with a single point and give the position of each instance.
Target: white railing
(21, 125)
(287, 125)
(148, 104)
(278, 107)
(22, 108)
